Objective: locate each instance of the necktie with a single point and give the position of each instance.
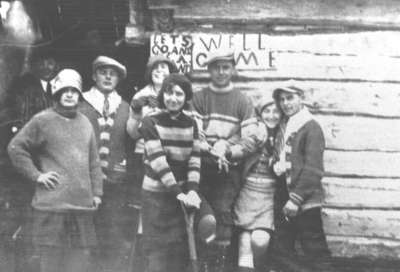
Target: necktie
(106, 106)
(48, 89)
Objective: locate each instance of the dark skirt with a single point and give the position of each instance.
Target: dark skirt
(71, 229)
(163, 221)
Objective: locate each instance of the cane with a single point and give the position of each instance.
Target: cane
(189, 220)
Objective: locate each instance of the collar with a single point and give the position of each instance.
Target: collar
(44, 83)
(297, 121)
(96, 98)
(221, 90)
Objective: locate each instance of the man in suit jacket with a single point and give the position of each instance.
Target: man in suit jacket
(28, 94)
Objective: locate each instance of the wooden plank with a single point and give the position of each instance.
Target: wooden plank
(362, 193)
(351, 247)
(380, 99)
(360, 133)
(363, 223)
(365, 164)
(383, 12)
(347, 56)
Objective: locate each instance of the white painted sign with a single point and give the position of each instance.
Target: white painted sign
(366, 55)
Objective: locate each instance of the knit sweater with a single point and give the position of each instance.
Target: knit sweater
(225, 115)
(172, 153)
(111, 136)
(307, 169)
(52, 142)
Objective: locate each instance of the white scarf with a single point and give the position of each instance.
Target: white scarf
(96, 98)
(295, 122)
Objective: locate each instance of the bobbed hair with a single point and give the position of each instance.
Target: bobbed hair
(169, 82)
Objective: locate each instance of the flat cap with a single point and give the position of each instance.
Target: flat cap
(227, 54)
(102, 61)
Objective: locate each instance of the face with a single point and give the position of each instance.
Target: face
(290, 103)
(69, 98)
(174, 99)
(159, 72)
(271, 116)
(46, 68)
(221, 72)
(106, 79)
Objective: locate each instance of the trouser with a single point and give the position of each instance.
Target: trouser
(114, 227)
(308, 229)
(59, 259)
(221, 190)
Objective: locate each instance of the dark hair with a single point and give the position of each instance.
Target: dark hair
(169, 82)
(153, 62)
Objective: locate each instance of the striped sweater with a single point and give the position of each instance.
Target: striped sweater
(225, 115)
(172, 153)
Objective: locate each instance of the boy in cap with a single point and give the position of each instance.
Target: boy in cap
(301, 163)
(57, 151)
(227, 117)
(108, 114)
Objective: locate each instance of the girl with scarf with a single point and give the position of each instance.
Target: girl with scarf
(254, 206)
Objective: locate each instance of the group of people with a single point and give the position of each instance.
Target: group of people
(250, 174)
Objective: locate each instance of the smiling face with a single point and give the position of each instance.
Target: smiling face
(271, 115)
(221, 72)
(290, 103)
(159, 72)
(174, 99)
(69, 97)
(106, 78)
(46, 68)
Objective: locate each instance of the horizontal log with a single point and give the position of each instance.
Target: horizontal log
(380, 99)
(374, 248)
(362, 223)
(363, 163)
(360, 133)
(281, 12)
(362, 193)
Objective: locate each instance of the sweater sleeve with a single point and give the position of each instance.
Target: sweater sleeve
(96, 175)
(155, 155)
(194, 162)
(22, 148)
(248, 125)
(313, 170)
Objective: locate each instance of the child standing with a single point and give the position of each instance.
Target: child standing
(254, 207)
(301, 163)
(57, 151)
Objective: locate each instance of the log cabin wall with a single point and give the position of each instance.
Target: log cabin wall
(349, 69)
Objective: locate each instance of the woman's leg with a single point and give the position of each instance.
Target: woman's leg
(259, 244)
(245, 259)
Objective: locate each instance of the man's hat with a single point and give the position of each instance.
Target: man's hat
(220, 55)
(67, 78)
(290, 88)
(102, 61)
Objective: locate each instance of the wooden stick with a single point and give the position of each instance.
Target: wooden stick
(189, 220)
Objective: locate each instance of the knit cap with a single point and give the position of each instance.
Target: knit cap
(67, 78)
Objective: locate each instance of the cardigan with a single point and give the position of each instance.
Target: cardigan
(307, 169)
(52, 142)
(112, 139)
(172, 153)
